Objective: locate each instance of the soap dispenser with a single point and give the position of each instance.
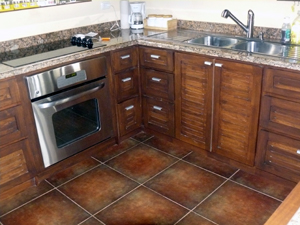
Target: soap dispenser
(286, 31)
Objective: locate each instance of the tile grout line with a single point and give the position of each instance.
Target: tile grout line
(31, 200)
(265, 194)
(217, 188)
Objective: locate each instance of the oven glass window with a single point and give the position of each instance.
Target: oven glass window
(76, 122)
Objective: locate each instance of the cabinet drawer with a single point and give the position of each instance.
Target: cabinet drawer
(279, 155)
(157, 58)
(159, 116)
(12, 125)
(127, 84)
(157, 84)
(9, 93)
(14, 163)
(124, 59)
(282, 83)
(129, 114)
(280, 115)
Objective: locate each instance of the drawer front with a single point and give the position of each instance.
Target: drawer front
(12, 125)
(157, 58)
(281, 116)
(159, 116)
(124, 59)
(279, 155)
(130, 116)
(127, 84)
(9, 93)
(282, 83)
(13, 162)
(158, 84)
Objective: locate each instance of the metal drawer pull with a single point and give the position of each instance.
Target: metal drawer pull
(155, 56)
(156, 79)
(207, 63)
(126, 79)
(129, 107)
(125, 56)
(157, 108)
(298, 151)
(218, 64)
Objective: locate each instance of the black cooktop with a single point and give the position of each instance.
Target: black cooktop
(25, 56)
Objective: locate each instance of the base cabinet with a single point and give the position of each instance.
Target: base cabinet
(278, 148)
(16, 161)
(217, 105)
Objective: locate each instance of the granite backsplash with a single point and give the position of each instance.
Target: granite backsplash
(60, 37)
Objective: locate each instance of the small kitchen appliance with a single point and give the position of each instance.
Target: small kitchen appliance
(137, 15)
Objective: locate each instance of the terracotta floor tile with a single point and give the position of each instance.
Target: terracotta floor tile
(141, 162)
(265, 185)
(72, 172)
(211, 164)
(234, 204)
(21, 198)
(185, 184)
(167, 146)
(142, 207)
(194, 219)
(142, 136)
(97, 188)
(52, 208)
(92, 221)
(108, 153)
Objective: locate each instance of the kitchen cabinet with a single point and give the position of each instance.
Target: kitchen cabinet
(217, 105)
(16, 160)
(278, 148)
(127, 89)
(158, 89)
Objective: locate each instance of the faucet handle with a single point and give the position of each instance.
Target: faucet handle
(261, 35)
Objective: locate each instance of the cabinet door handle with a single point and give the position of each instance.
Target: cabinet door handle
(207, 63)
(129, 107)
(126, 79)
(218, 64)
(125, 56)
(157, 108)
(298, 151)
(155, 79)
(155, 56)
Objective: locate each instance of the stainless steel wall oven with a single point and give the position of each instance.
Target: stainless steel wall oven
(71, 107)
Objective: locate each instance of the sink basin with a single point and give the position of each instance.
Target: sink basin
(260, 47)
(214, 41)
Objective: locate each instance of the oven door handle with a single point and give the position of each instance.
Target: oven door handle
(70, 98)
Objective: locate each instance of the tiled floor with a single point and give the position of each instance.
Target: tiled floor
(147, 181)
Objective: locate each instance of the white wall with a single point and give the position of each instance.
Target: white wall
(18, 24)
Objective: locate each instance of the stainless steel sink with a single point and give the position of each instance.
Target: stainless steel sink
(260, 47)
(214, 41)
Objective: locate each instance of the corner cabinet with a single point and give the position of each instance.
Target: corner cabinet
(278, 149)
(16, 161)
(217, 105)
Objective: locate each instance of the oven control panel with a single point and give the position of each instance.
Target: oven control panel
(71, 78)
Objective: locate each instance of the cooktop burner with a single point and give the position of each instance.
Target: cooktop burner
(25, 56)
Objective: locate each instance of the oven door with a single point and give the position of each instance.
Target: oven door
(73, 120)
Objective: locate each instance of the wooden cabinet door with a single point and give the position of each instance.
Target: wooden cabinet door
(193, 95)
(237, 89)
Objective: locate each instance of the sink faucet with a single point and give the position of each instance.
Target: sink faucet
(250, 22)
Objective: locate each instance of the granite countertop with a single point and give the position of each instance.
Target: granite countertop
(150, 38)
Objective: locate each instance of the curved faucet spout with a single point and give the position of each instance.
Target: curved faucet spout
(250, 22)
